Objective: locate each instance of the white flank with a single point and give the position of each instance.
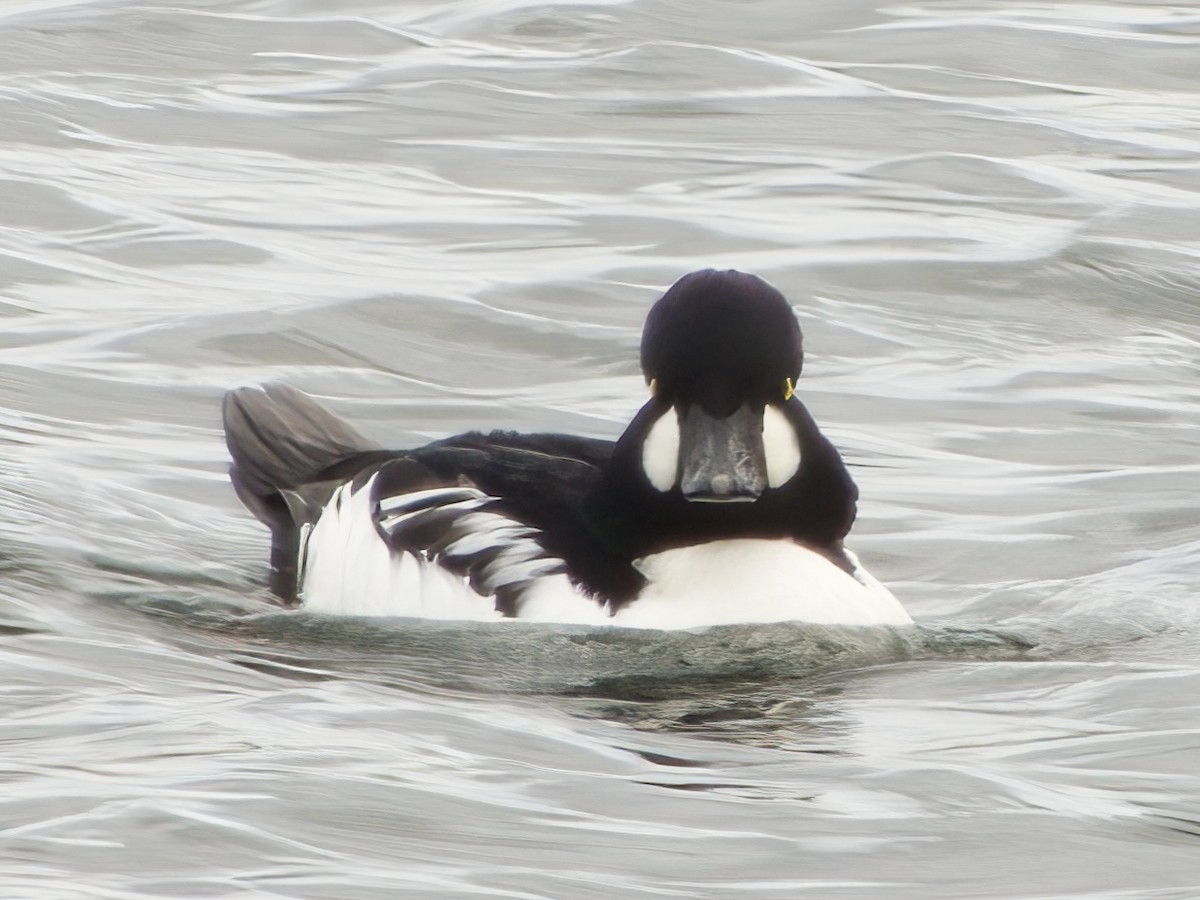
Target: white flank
(349, 570)
(781, 446)
(660, 451)
(554, 599)
(754, 581)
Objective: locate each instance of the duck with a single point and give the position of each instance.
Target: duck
(721, 503)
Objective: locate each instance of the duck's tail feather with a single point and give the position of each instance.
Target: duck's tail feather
(280, 438)
(284, 445)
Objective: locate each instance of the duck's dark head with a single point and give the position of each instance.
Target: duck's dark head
(721, 352)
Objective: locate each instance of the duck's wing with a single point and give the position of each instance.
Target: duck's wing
(389, 543)
(359, 529)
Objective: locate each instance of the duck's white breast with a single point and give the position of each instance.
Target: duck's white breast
(755, 581)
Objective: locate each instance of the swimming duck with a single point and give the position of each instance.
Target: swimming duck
(721, 502)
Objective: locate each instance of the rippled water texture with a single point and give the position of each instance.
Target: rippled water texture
(448, 215)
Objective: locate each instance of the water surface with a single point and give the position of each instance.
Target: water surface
(447, 216)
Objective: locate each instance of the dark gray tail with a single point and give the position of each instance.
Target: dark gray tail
(280, 438)
(282, 444)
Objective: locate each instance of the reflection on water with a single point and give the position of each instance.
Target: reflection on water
(440, 217)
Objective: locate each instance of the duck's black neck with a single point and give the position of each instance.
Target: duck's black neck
(816, 506)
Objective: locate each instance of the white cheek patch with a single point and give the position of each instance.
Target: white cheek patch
(781, 446)
(660, 451)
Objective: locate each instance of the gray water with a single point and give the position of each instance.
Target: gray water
(440, 216)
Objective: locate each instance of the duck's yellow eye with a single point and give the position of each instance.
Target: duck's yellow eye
(788, 389)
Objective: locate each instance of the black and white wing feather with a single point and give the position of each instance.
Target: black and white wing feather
(440, 552)
(462, 530)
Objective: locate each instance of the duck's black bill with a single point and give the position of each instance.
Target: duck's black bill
(722, 459)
